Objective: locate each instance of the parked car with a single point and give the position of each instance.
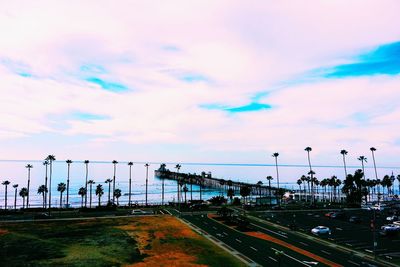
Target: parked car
(329, 214)
(355, 219)
(391, 227)
(392, 218)
(397, 223)
(141, 212)
(320, 230)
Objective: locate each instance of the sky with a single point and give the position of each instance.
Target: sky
(200, 81)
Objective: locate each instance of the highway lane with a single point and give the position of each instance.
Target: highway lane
(328, 252)
(256, 249)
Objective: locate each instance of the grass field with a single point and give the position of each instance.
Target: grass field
(139, 241)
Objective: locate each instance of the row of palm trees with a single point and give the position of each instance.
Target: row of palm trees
(45, 189)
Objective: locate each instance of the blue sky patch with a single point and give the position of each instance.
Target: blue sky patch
(89, 116)
(93, 68)
(191, 78)
(253, 106)
(110, 86)
(385, 60)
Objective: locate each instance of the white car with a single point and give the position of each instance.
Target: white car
(390, 227)
(392, 218)
(397, 223)
(140, 212)
(320, 230)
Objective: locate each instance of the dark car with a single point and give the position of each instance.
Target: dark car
(338, 215)
(355, 219)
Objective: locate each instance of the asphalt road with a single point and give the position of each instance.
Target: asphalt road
(263, 252)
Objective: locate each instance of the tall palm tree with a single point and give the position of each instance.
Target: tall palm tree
(309, 149)
(303, 178)
(299, 182)
(82, 193)
(15, 196)
(344, 153)
(46, 164)
(90, 182)
(99, 191)
(42, 190)
(50, 159)
(29, 167)
(23, 193)
(61, 187)
(114, 162)
(276, 155)
(69, 162)
(5, 183)
(86, 162)
(373, 149)
(108, 181)
(130, 164)
(177, 167)
(269, 179)
(147, 178)
(118, 194)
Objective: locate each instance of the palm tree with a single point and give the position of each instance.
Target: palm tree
(99, 191)
(303, 178)
(276, 155)
(108, 181)
(344, 153)
(147, 178)
(90, 182)
(185, 190)
(69, 162)
(177, 167)
(86, 162)
(23, 193)
(245, 192)
(118, 194)
(309, 149)
(82, 193)
(130, 164)
(162, 185)
(5, 183)
(398, 179)
(28, 166)
(42, 190)
(114, 162)
(373, 149)
(61, 188)
(230, 194)
(15, 196)
(363, 159)
(46, 164)
(50, 159)
(269, 178)
(299, 182)
(323, 184)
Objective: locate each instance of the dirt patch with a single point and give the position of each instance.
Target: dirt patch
(3, 231)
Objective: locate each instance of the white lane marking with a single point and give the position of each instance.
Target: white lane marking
(340, 229)
(290, 257)
(275, 260)
(352, 262)
(224, 233)
(305, 244)
(284, 236)
(168, 212)
(326, 252)
(238, 240)
(161, 212)
(254, 249)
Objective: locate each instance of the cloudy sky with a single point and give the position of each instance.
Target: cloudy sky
(200, 81)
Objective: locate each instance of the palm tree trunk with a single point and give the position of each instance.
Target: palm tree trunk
(87, 170)
(45, 193)
(277, 179)
(90, 201)
(29, 182)
(82, 202)
(51, 172)
(344, 165)
(60, 200)
(6, 198)
(23, 202)
(147, 180)
(109, 191)
(99, 200)
(68, 187)
(130, 185)
(15, 199)
(162, 198)
(191, 192)
(44, 200)
(115, 169)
